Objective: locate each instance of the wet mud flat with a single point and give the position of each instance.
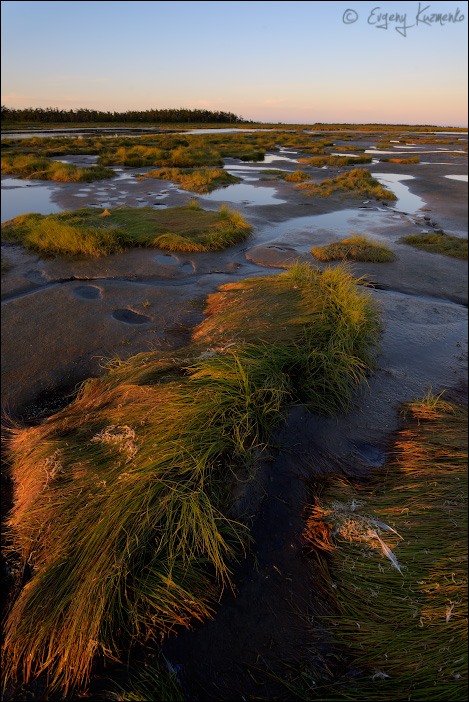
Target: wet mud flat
(63, 317)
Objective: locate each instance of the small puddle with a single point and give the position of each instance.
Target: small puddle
(87, 292)
(129, 317)
(82, 160)
(373, 456)
(16, 200)
(246, 194)
(303, 232)
(166, 260)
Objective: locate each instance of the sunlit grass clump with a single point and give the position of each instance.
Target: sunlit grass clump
(86, 232)
(41, 168)
(445, 244)
(357, 183)
(394, 559)
(122, 500)
(354, 248)
(407, 159)
(320, 161)
(197, 180)
(297, 177)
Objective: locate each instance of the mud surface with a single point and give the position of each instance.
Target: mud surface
(62, 318)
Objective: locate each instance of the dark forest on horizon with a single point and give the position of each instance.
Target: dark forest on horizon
(54, 114)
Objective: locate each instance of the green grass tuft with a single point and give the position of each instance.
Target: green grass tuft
(445, 244)
(198, 180)
(86, 232)
(40, 168)
(356, 183)
(354, 248)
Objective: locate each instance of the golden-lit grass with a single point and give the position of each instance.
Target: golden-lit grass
(86, 232)
(122, 499)
(41, 168)
(393, 556)
(296, 177)
(408, 159)
(355, 183)
(354, 248)
(320, 161)
(445, 244)
(197, 180)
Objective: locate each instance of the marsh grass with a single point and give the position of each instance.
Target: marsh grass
(156, 682)
(354, 248)
(85, 232)
(122, 499)
(197, 180)
(296, 177)
(356, 183)
(445, 244)
(42, 168)
(320, 161)
(409, 159)
(394, 557)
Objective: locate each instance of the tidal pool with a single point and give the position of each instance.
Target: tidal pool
(310, 228)
(457, 177)
(247, 194)
(21, 197)
(406, 201)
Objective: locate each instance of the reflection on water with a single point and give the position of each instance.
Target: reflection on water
(82, 131)
(247, 194)
(333, 225)
(82, 160)
(20, 197)
(457, 177)
(406, 201)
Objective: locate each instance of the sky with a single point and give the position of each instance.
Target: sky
(291, 62)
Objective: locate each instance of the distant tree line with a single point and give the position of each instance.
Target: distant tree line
(53, 114)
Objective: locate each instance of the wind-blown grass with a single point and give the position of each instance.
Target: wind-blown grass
(354, 248)
(394, 558)
(122, 498)
(41, 168)
(86, 232)
(445, 244)
(357, 183)
(197, 180)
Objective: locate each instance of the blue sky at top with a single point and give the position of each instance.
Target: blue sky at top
(268, 61)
